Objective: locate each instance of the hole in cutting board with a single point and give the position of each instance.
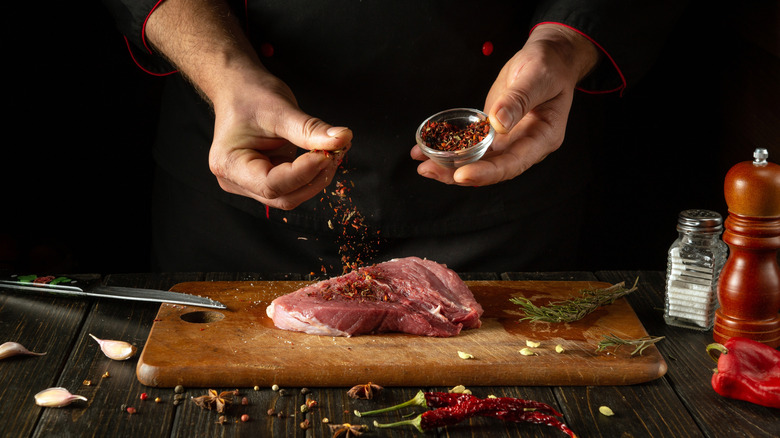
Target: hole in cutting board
(202, 317)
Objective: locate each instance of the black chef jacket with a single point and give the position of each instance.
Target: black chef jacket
(380, 68)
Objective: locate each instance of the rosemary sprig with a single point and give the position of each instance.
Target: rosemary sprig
(575, 308)
(640, 343)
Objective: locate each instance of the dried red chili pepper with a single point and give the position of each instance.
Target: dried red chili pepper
(448, 399)
(747, 370)
(454, 408)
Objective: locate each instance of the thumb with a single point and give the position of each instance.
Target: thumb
(311, 133)
(511, 106)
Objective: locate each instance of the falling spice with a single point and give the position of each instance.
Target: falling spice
(446, 136)
(357, 241)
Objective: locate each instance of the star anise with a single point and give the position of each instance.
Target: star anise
(214, 400)
(366, 391)
(347, 430)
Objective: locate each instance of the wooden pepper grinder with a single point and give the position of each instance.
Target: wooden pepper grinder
(749, 284)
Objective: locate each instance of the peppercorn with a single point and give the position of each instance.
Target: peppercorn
(144, 396)
(245, 418)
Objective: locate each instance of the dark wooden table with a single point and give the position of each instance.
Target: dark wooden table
(680, 404)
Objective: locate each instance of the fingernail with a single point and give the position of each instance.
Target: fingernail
(505, 118)
(336, 130)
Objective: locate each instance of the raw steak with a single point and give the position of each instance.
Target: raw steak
(409, 295)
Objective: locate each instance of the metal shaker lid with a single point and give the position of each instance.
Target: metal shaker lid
(697, 220)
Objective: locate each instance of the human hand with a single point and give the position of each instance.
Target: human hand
(258, 129)
(528, 105)
(257, 136)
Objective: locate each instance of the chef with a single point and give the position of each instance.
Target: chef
(286, 134)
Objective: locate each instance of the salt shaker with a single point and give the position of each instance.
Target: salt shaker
(693, 267)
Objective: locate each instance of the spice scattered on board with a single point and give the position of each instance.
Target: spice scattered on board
(464, 355)
(606, 411)
(446, 136)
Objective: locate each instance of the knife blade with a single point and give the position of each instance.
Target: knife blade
(115, 292)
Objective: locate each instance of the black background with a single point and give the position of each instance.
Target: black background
(80, 119)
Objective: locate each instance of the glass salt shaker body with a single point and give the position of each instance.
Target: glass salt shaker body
(694, 265)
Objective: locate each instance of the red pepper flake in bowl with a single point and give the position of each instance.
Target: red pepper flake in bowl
(446, 136)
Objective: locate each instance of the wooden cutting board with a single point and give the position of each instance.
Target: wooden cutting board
(240, 347)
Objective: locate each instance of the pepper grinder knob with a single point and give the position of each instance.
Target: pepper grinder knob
(749, 283)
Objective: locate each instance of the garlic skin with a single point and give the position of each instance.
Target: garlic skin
(9, 349)
(56, 398)
(116, 350)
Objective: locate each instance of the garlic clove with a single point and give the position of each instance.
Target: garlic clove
(9, 349)
(56, 398)
(116, 350)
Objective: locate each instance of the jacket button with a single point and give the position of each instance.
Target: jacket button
(267, 50)
(487, 48)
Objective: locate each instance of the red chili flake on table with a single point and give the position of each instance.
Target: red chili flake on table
(144, 396)
(446, 136)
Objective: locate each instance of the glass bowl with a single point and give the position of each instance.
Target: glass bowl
(460, 118)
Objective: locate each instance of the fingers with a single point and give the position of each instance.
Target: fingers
(285, 185)
(312, 133)
(520, 87)
(256, 150)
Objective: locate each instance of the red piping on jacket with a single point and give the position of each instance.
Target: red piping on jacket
(614, 64)
(143, 38)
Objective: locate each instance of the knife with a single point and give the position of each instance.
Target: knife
(65, 286)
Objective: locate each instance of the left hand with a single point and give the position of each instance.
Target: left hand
(528, 105)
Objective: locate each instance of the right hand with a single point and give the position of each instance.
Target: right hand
(257, 133)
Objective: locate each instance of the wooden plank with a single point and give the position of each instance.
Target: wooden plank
(240, 346)
(690, 372)
(42, 324)
(102, 414)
